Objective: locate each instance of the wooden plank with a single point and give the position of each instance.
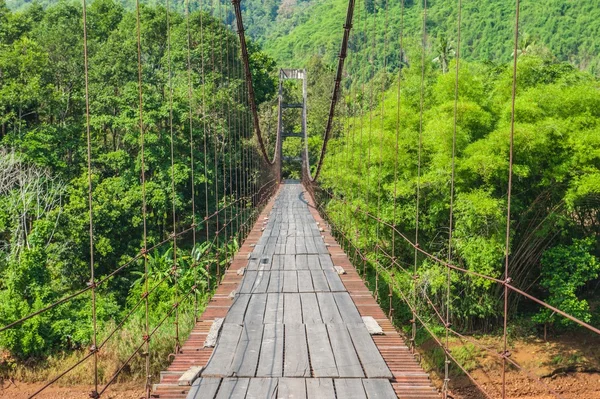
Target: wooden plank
(313, 262)
(248, 282)
(271, 352)
(277, 262)
(264, 262)
(325, 261)
(373, 364)
(290, 281)
(296, 362)
(334, 280)
(321, 355)
(271, 243)
(378, 389)
(300, 245)
(220, 361)
(310, 308)
(344, 353)
(290, 245)
(245, 360)
(262, 388)
(274, 309)
(347, 308)
(189, 376)
(213, 333)
(320, 388)
(309, 241)
(256, 309)
(305, 281)
(301, 262)
(253, 263)
(233, 388)
(204, 388)
(258, 249)
(320, 244)
(349, 388)
(329, 310)
(236, 312)
(292, 309)
(262, 282)
(289, 262)
(372, 326)
(291, 388)
(319, 281)
(281, 240)
(275, 282)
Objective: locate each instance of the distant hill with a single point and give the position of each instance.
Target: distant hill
(292, 31)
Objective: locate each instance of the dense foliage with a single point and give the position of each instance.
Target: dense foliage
(44, 251)
(292, 31)
(555, 241)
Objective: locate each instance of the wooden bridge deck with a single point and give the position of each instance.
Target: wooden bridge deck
(294, 327)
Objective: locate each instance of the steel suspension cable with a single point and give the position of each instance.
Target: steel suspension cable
(174, 267)
(507, 279)
(144, 211)
(397, 148)
(92, 283)
(381, 139)
(420, 145)
(205, 133)
(190, 93)
(215, 152)
(447, 322)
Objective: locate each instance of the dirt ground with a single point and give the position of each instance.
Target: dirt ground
(22, 391)
(568, 365)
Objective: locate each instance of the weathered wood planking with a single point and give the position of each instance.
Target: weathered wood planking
(320, 388)
(344, 353)
(293, 330)
(274, 309)
(245, 360)
(237, 311)
(321, 355)
(233, 388)
(219, 364)
(373, 364)
(292, 309)
(262, 388)
(204, 388)
(378, 389)
(291, 388)
(311, 313)
(329, 310)
(347, 308)
(271, 352)
(349, 388)
(296, 362)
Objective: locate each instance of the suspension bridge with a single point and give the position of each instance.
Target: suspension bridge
(294, 313)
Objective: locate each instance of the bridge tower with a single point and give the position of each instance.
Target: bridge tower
(286, 74)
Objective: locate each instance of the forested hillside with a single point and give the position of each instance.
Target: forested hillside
(293, 30)
(44, 247)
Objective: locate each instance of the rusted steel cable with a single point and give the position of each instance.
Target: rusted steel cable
(452, 188)
(190, 93)
(146, 341)
(92, 282)
(143, 175)
(174, 269)
(509, 193)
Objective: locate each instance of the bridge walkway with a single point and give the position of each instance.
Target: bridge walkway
(292, 325)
